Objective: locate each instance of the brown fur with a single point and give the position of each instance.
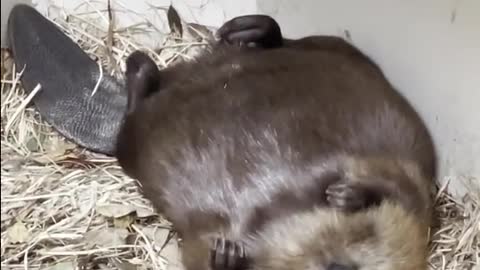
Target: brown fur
(243, 144)
(383, 238)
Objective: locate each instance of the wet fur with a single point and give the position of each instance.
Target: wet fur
(243, 144)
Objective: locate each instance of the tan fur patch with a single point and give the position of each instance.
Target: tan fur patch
(383, 238)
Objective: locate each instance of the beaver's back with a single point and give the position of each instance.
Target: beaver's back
(243, 127)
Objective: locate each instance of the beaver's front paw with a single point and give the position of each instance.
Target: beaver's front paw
(227, 255)
(252, 30)
(348, 196)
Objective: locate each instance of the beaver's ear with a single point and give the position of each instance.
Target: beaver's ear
(337, 266)
(142, 78)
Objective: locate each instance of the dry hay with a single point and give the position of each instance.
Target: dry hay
(66, 208)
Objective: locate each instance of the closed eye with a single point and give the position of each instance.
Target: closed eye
(337, 266)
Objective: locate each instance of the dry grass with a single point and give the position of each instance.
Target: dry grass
(456, 241)
(65, 208)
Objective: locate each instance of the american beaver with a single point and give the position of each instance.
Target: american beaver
(290, 154)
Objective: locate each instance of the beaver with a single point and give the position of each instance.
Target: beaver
(270, 153)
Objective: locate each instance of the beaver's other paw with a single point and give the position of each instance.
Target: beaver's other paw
(227, 255)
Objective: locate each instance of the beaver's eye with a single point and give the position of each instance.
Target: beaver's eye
(337, 266)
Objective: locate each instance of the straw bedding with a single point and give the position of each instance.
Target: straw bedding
(65, 208)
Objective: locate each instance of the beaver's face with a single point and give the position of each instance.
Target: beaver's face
(384, 238)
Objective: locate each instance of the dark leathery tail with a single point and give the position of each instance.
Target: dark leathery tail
(67, 76)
